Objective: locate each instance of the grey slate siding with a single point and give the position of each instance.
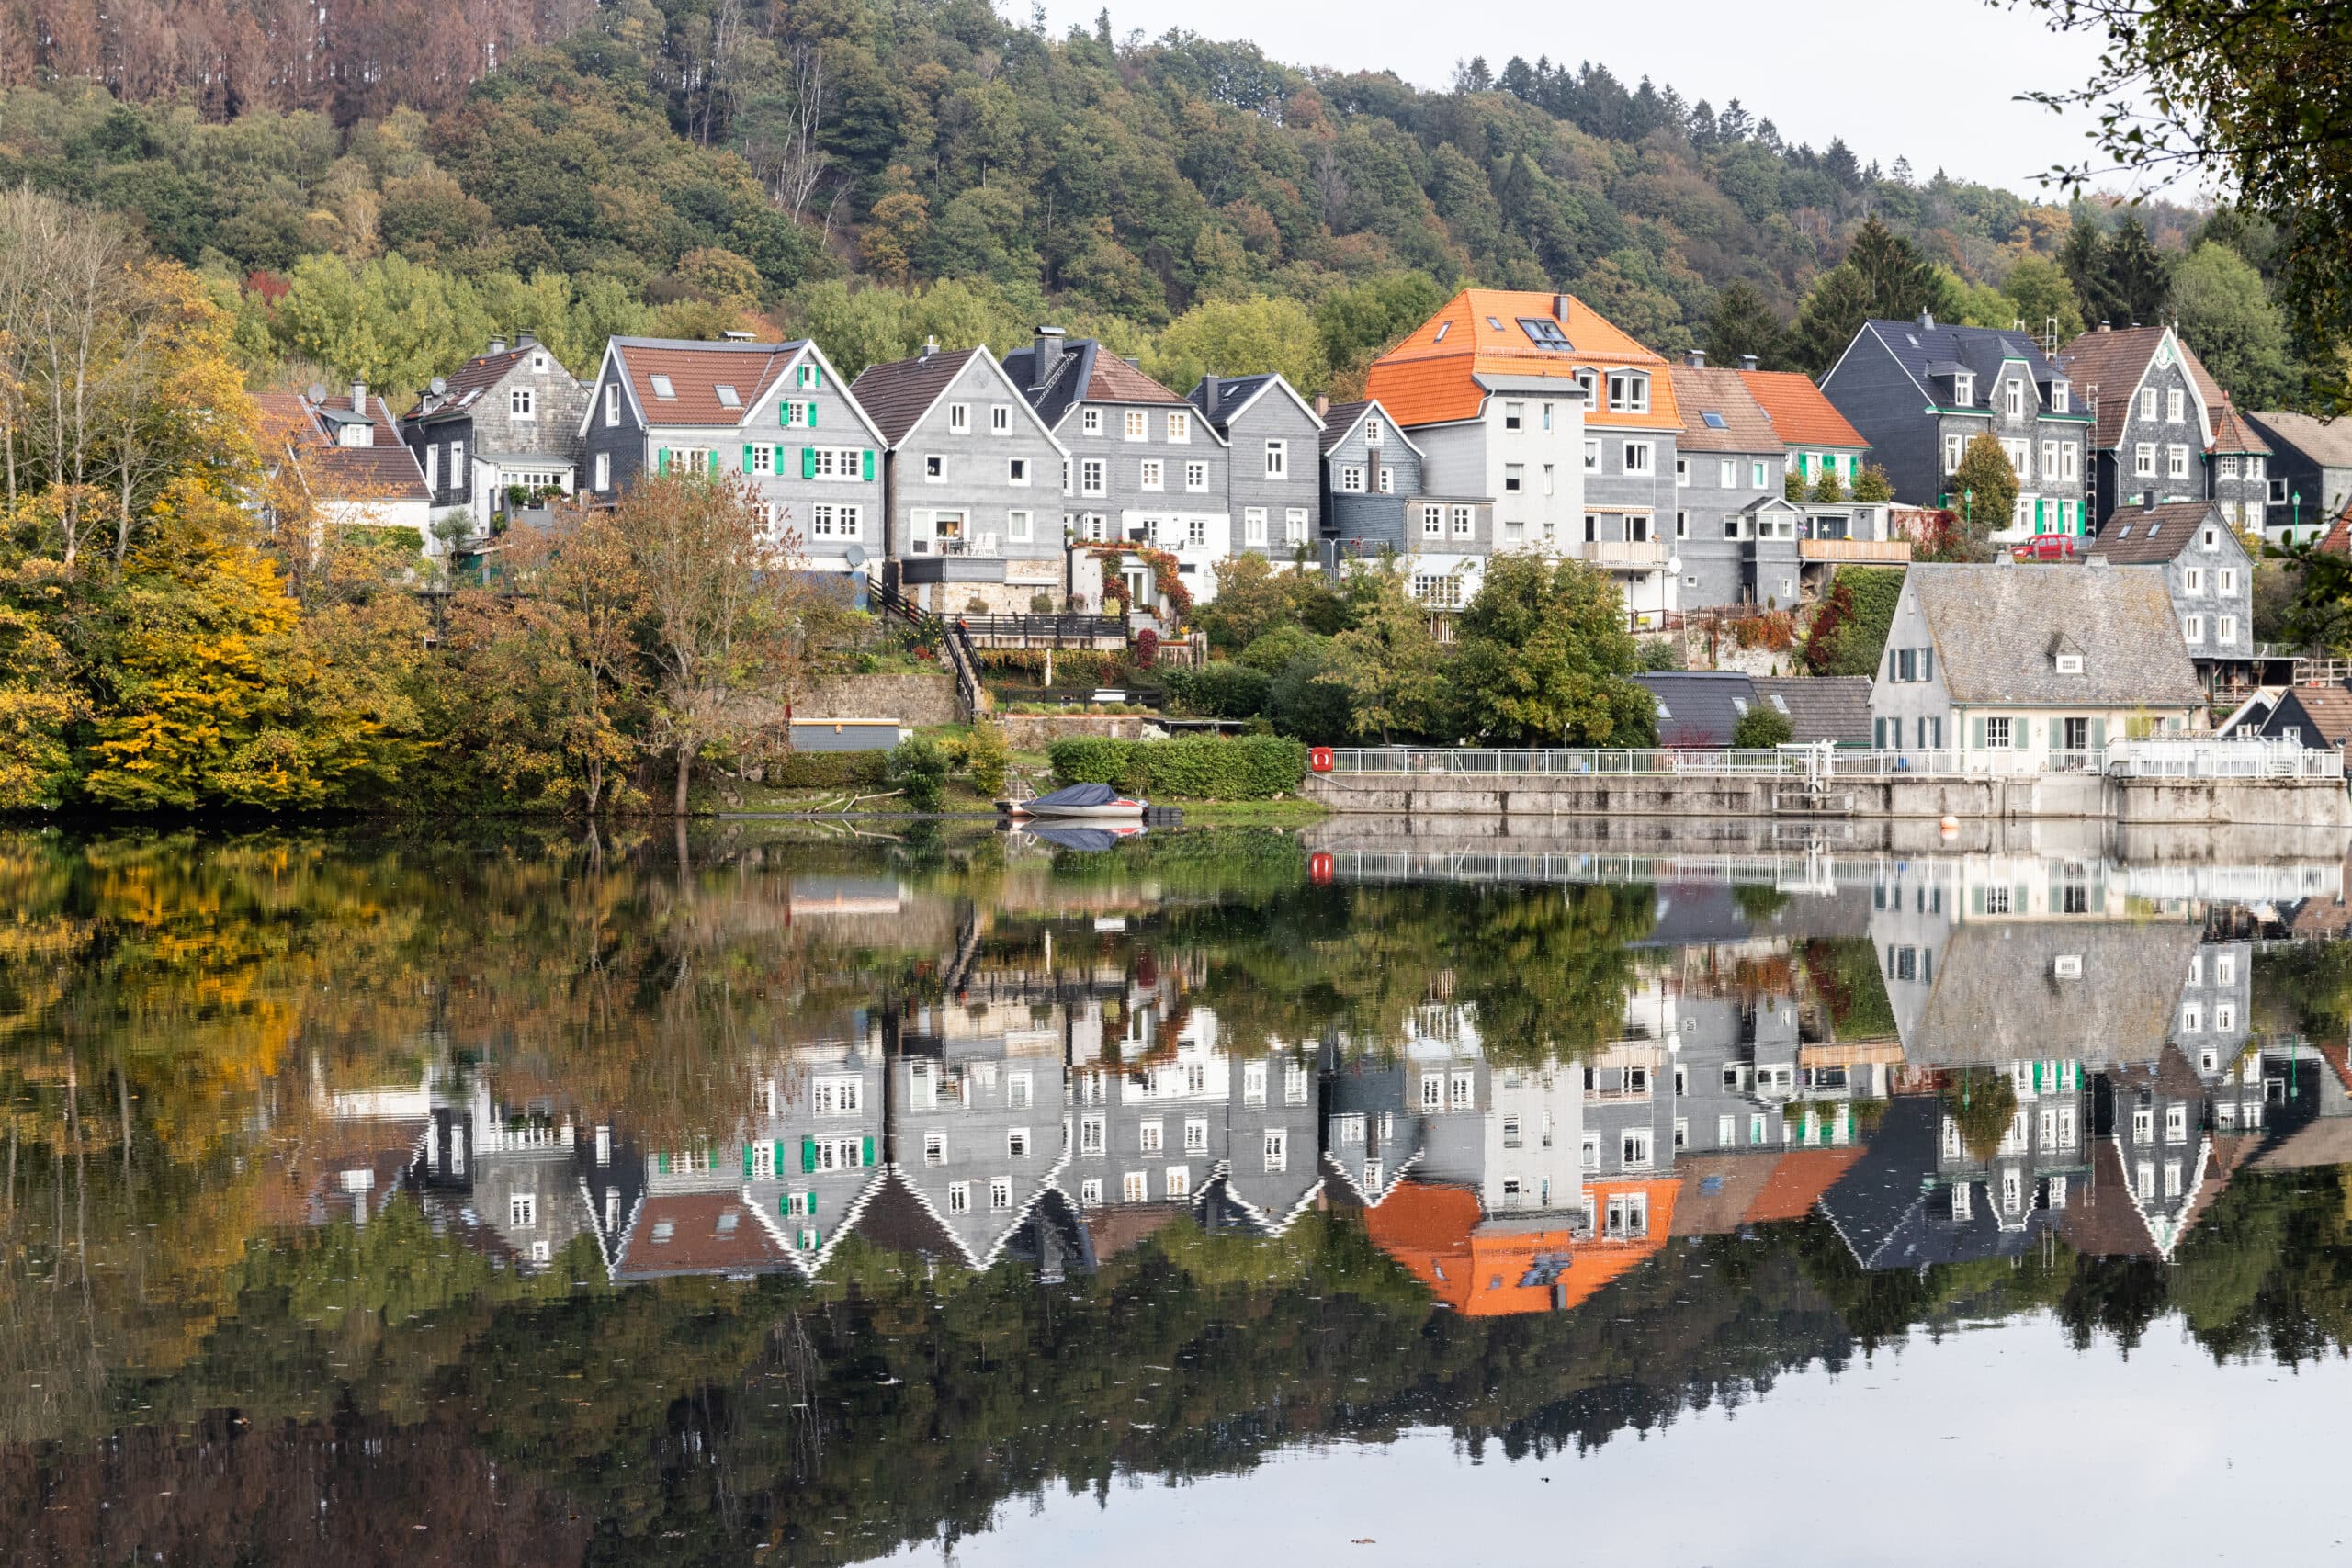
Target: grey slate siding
(1366, 519)
(1717, 567)
(975, 484)
(1611, 488)
(2120, 484)
(1273, 417)
(615, 435)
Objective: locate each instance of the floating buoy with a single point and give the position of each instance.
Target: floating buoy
(1950, 825)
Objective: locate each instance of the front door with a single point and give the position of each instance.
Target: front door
(1139, 581)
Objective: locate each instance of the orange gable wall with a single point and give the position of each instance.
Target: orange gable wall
(1438, 1235)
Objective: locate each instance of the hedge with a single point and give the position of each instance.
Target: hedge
(1255, 767)
(1221, 690)
(828, 769)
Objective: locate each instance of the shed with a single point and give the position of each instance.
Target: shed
(844, 733)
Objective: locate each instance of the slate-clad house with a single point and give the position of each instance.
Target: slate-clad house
(1700, 709)
(2014, 658)
(1273, 435)
(2317, 717)
(1145, 467)
(972, 483)
(2159, 424)
(1729, 461)
(774, 414)
(1920, 393)
(2206, 571)
(2311, 474)
(507, 417)
(1375, 494)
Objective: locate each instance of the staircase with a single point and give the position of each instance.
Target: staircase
(956, 649)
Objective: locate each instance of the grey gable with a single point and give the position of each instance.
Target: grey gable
(1994, 627)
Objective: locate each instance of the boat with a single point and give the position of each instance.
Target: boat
(1081, 802)
(1091, 838)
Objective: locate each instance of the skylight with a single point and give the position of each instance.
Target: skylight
(728, 397)
(2124, 532)
(2155, 529)
(1714, 421)
(472, 393)
(1544, 332)
(1495, 322)
(1780, 701)
(1443, 327)
(661, 389)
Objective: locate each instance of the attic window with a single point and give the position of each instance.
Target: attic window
(1739, 705)
(727, 1223)
(1714, 421)
(1495, 322)
(1544, 332)
(472, 393)
(1443, 327)
(1663, 710)
(664, 1230)
(2070, 664)
(2155, 529)
(2124, 532)
(1963, 391)
(662, 388)
(1780, 703)
(729, 398)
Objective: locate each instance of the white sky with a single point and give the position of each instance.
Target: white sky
(1934, 81)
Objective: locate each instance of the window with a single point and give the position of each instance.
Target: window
(1139, 426)
(1727, 473)
(1277, 460)
(1682, 473)
(1089, 1193)
(1591, 1151)
(836, 1096)
(1953, 446)
(2179, 467)
(1634, 1148)
(1253, 526)
(1179, 426)
(2060, 397)
(1132, 1187)
(1511, 415)
(520, 403)
(1197, 477)
(1437, 592)
(1388, 480)
(1964, 389)
(2147, 402)
(1177, 1182)
(1277, 1149)
(663, 390)
(1016, 1143)
(1629, 392)
(1149, 474)
(2050, 461)
(1196, 530)
(1756, 475)
(1148, 1137)
(523, 1211)
(999, 1193)
(1090, 422)
(2193, 580)
(1020, 528)
(1090, 476)
(1432, 522)
(1253, 1083)
(2225, 629)
(2192, 1019)
(2176, 406)
(1593, 456)
(2143, 460)
(2072, 463)
(612, 405)
(2070, 664)
(604, 470)
(2020, 458)
(1000, 419)
(828, 521)
(1997, 737)
(2192, 629)
(1640, 457)
(934, 466)
(1351, 479)
(1628, 1217)
(2013, 398)
(1464, 522)
(1465, 1092)
(1016, 470)
(1514, 478)
(1294, 525)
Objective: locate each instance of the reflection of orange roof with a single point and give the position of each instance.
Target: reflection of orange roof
(1803, 414)
(1427, 379)
(1497, 1268)
(1799, 1179)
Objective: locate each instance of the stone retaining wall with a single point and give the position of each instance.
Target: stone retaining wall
(911, 699)
(1034, 732)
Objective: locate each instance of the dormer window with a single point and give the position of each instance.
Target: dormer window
(2070, 664)
(2058, 396)
(1629, 392)
(663, 390)
(729, 398)
(2014, 400)
(1964, 389)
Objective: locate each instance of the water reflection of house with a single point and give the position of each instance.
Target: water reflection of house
(977, 1124)
(812, 1155)
(1904, 1204)
(690, 1231)
(1484, 1264)
(507, 1175)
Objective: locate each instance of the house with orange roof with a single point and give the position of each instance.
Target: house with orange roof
(1496, 1265)
(344, 458)
(776, 416)
(1566, 423)
(1817, 438)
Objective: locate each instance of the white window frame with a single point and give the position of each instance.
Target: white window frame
(1138, 426)
(1278, 459)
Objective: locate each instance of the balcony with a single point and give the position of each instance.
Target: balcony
(1644, 554)
(1886, 551)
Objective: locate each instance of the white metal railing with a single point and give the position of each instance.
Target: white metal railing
(2131, 759)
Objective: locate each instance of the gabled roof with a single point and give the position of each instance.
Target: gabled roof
(1085, 373)
(2232, 434)
(1433, 377)
(1925, 351)
(468, 381)
(1999, 996)
(2145, 535)
(1835, 709)
(383, 473)
(1236, 393)
(2328, 709)
(694, 371)
(896, 396)
(2327, 443)
(1719, 413)
(2113, 362)
(1800, 411)
(1992, 624)
(1340, 422)
(708, 1233)
(1697, 708)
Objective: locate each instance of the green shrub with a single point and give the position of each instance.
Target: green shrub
(1221, 690)
(918, 767)
(987, 757)
(1256, 767)
(1762, 726)
(1280, 646)
(828, 770)
(1306, 707)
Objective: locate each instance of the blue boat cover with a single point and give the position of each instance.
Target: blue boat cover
(1074, 797)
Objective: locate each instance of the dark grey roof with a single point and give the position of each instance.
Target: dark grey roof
(1892, 1212)
(2327, 443)
(1824, 707)
(1697, 707)
(896, 395)
(1084, 373)
(1232, 393)
(2145, 535)
(1339, 419)
(1994, 627)
(1998, 996)
(1928, 352)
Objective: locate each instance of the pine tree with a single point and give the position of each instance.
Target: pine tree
(1902, 282)
(2138, 278)
(1742, 323)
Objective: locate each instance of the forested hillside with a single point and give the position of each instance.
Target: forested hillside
(375, 198)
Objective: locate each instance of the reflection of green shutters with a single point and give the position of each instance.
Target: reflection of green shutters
(869, 1152)
(661, 1164)
(779, 1159)
(866, 468)
(808, 1154)
(747, 1162)
(808, 462)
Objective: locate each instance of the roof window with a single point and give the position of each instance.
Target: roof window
(1714, 421)
(1544, 332)
(1443, 327)
(662, 388)
(729, 398)
(1495, 322)
(1780, 703)
(2155, 529)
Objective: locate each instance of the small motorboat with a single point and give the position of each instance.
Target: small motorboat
(1080, 802)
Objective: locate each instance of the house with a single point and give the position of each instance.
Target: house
(813, 1147)
(1145, 469)
(774, 415)
(1375, 500)
(1703, 707)
(1920, 393)
(1728, 465)
(1274, 488)
(2310, 470)
(1567, 424)
(2161, 427)
(978, 1106)
(1816, 438)
(1835, 709)
(343, 458)
(507, 419)
(2316, 715)
(972, 480)
(2033, 660)
(2206, 570)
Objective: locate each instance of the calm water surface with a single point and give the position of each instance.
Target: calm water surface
(778, 1197)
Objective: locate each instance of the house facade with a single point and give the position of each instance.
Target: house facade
(1729, 463)
(1273, 437)
(2160, 425)
(774, 415)
(1920, 393)
(1376, 501)
(2032, 661)
(344, 457)
(971, 484)
(506, 419)
(1145, 469)
(1817, 438)
(2207, 572)
(2310, 474)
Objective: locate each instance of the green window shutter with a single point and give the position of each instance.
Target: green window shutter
(747, 1162)
(2098, 735)
(661, 460)
(779, 1157)
(784, 1201)
(816, 1240)
(812, 413)
(776, 462)
(747, 459)
(1976, 733)
(869, 1151)
(808, 1154)
(866, 466)
(808, 462)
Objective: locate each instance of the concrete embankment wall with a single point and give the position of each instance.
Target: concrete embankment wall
(2139, 801)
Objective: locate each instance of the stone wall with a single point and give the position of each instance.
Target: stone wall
(909, 699)
(1034, 732)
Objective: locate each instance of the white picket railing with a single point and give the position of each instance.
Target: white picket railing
(2130, 758)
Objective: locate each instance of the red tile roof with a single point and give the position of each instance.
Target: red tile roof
(2232, 434)
(1430, 378)
(381, 473)
(1800, 411)
(1745, 426)
(695, 372)
(2111, 362)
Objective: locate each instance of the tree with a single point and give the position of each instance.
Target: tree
(1871, 486)
(1742, 323)
(1985, 490)
(588, 593)
(1542, 656)
(1829, 489)
(1357, 322)
(1900, 281)
(2037, 287)
(1235, 337)
(1833, 311)
(2135, 276)
(726, 606)
(1762, 728)
(1386, 661)
(2225, 315)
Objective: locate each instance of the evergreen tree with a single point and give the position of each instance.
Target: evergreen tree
(1833, 312)
(1742, 323)
(1902, 282)
(2138, 278)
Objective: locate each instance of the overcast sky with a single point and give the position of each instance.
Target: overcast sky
(1934, 81)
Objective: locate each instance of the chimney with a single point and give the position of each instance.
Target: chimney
(1208, 394)
(1322, 405)
(1046, 357)
(1927, 318)
(525, 340)
(1560, 307)
(497, 346)
(1748, 362)
(359, 397)
(930, 346)
(2147, 501)
(1696, 359)
(2107, 326)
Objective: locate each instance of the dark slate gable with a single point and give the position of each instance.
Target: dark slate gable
(1928, 352)
(1230, 395)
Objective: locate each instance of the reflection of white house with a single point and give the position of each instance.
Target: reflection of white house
(344, 456)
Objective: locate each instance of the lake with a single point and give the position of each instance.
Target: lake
(781, 1193)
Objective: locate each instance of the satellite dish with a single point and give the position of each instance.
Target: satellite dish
(318, 391)
(439, 387)
(855, 555)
